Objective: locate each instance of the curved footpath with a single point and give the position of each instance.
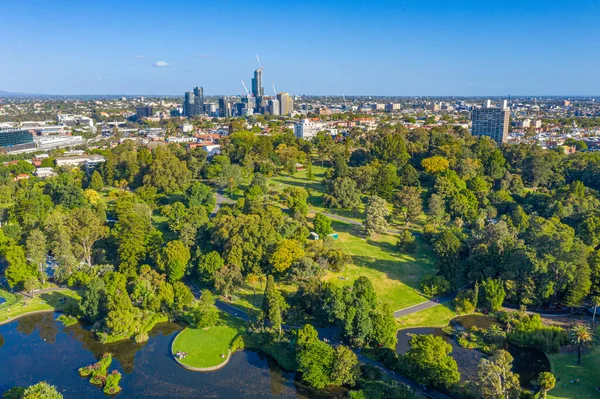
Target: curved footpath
(29, 314)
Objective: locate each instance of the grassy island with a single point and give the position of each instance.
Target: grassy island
(206, 347)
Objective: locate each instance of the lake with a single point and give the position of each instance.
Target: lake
(38, 348)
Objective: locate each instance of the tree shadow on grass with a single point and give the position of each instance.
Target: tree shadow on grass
(408, 273)
(305, 183)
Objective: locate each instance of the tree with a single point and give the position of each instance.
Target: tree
(546, 382)
(345, 370)
(433, 286)
(429, 362)
(581, 336)
(437, 208)
(93, 301)
(315, 358)
(132, 229)
(322, 225)
(41, 390)
(167, 173)
(86, 228)
(435, 164)
(227, 279)
(494, 293)
(376, 213)
(384, 327)
(408, 204)
(344, 194)
(174, 260)
(230, 178)
(205, 314)
(391, 148)
(286, 253)
(447, 248)
(182, 296)
(18, 270)
(208, 265)
(496, 380)
(37, 251)
(406, 241)
(296, 199)
(198, 194)
(96, 183)
(273, 305)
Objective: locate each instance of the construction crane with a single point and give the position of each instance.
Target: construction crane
(345, 103)
(245, 88)
(274, 91)
(259, 64)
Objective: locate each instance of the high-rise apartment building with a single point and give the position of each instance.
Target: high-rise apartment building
(145, 111)
(491, 121)
(198, 100)
(286, 103)
(273, 107)
(257, 88)
(224, 107)
(188, 104)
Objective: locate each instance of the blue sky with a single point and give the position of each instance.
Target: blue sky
(347, 47)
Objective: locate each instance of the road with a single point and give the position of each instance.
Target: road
(425, 305)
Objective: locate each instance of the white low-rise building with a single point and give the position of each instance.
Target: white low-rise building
(44, 173)
(307, 129)
(80, 160)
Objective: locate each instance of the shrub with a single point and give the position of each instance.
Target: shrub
(111, 386)
(141, 337)
(529, 331)
(237, 343)
(406, 242)
(464, 302)
(434, 286)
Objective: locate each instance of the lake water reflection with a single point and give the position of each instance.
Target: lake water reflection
(38, 348)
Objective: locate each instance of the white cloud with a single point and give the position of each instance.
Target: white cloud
(206, 56)
(161, 64)
(140, 57)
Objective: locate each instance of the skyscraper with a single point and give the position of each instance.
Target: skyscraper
(198, 100)
(273, 107)
(491, 121)
(188, 104)
(286, 103)
(257, 88)
(224, 107)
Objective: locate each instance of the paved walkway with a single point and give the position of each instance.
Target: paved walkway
(425, 305)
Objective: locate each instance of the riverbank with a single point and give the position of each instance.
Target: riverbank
(56, 300)
(209, 348)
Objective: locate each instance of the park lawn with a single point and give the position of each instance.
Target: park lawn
(437, 316)
(41, 302)
(247, 300)
(204, 347)
(565, 367)
(395, 275)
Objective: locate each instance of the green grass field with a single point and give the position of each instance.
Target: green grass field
(205, 346)
(438, 316)
(41, 302)
(565, 367)
(394, 275)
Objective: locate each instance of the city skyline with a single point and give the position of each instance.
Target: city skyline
(396, 48)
